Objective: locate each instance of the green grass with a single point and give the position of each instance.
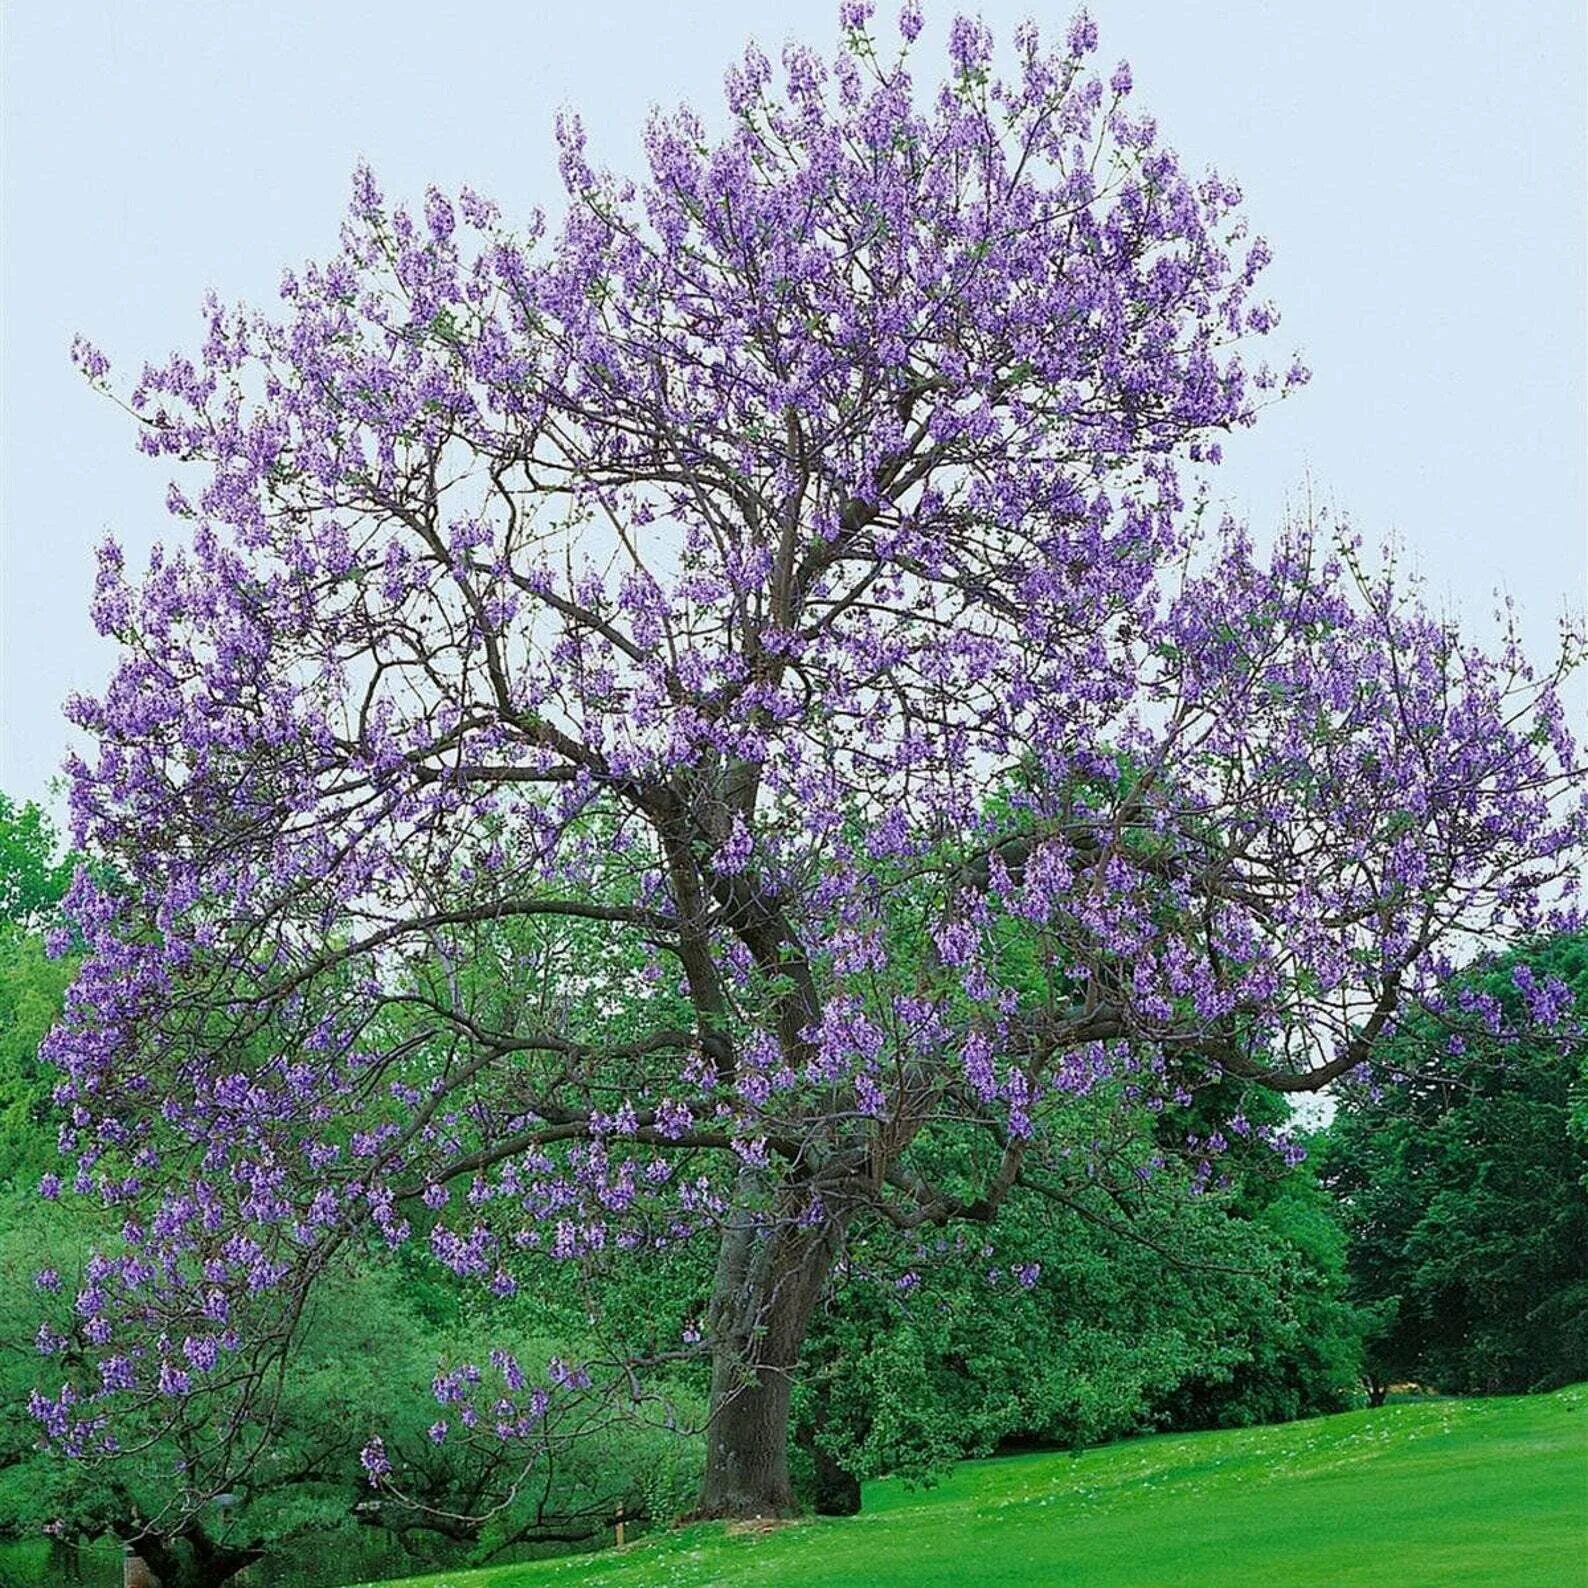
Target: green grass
(1464, 1492)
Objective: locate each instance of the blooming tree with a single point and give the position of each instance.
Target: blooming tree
(657, 719)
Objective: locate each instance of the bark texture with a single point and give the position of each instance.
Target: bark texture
(768, 1284)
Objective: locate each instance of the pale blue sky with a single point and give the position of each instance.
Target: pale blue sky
(1419, 169)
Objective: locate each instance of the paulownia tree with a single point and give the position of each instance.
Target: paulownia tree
(656, 720)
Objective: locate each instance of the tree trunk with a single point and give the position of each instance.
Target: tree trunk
(837, 1488)
(215, 1564)
(153, 1562)
(135, 1573)
(767, 1286)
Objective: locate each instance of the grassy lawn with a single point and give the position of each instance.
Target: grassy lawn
(1467, 1493)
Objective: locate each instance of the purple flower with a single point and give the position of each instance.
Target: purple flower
(1082, 39)
(479, 212)
(89, 359)
(374, 1460)
(438, 215)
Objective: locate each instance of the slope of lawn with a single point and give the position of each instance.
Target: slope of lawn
(1469, 1492)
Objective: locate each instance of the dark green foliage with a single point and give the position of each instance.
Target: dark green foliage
(1157, 1310)
(1462, 1190)
(1296, 1345)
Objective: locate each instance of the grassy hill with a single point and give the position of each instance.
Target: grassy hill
(1468, 1492)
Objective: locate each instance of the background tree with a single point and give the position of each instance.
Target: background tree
(1462, 1188)
(34, 877)
(1120, 1314)
(1291, 1338)
(678, 587)
(34, 874)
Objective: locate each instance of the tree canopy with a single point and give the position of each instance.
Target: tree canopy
(715, 721)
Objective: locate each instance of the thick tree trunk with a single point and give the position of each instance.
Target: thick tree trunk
(747, 1472)
(215, 1564)
(136, 1572)
(767, 1286)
